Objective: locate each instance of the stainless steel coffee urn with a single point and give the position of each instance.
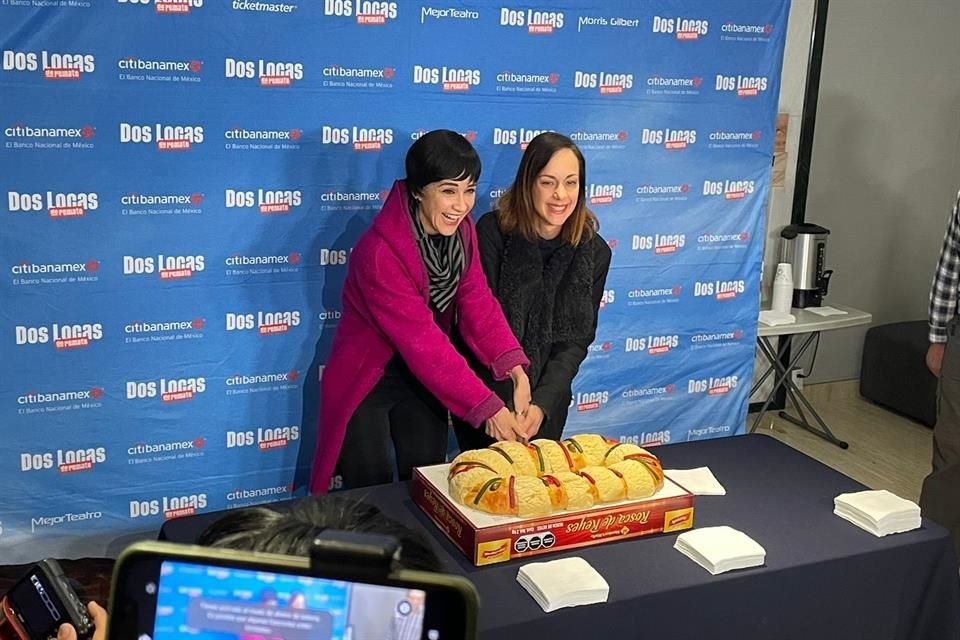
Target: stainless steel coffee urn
(804, 246)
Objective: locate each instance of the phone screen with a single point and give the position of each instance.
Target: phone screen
(221, 603)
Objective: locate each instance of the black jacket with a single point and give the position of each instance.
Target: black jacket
(551, 308)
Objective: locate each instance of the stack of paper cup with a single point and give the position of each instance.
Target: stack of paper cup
(783, 288)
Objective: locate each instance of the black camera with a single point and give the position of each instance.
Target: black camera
(40, 602)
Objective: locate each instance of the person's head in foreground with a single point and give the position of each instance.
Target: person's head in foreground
(293, 531)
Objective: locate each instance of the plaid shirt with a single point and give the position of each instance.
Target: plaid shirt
(943, 293)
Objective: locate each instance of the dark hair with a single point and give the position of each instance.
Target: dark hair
(292, 531)
(440, 155)
(517, 210)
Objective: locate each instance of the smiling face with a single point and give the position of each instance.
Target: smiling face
(443, 205)
(556, 192)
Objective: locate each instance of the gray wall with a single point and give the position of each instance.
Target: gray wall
(886, 153)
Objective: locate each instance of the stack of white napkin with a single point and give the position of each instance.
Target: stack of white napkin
(568, 582)
(719, 549)
(776, 318)
(879, 512)
(699, 481)
(826, 311)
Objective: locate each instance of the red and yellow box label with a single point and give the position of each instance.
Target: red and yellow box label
(677, 520)
(493, 551)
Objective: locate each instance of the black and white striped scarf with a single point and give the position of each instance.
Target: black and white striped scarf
(443, 256)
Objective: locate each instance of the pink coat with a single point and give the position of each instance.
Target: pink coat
(386, 311)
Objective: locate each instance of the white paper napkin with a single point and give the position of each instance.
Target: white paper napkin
(699, 481)
(720, 549)
(568, 582)
(826, 311)
(880, 512)
(774, 318)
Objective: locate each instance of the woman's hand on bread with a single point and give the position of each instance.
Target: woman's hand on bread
(503, 425)
(522, 395)
(531, 421)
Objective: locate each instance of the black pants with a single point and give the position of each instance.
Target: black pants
(469, 438)
(399, 416)
(940, 495)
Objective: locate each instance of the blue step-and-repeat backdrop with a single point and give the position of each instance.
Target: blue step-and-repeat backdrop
(182, 182)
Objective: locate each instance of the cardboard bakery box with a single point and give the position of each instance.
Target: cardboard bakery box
(486, 538)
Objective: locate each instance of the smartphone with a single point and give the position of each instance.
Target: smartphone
(162, 591)
(40, 602)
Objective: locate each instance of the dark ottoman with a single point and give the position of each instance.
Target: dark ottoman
(893, 372)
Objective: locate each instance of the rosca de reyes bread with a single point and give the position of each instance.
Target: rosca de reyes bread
(544, 476)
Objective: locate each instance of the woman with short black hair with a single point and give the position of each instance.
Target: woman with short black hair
(393, 373)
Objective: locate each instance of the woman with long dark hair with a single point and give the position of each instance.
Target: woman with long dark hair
(547, 264)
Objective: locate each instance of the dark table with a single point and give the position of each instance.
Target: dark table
(824, 578)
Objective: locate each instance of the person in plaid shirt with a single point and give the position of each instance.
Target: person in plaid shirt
(940, 495)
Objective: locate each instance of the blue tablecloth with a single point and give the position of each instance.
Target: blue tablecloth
(823, 579)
